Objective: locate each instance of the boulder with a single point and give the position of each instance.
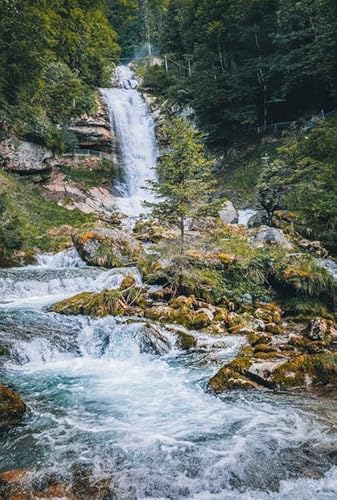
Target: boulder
(267, 236)
(228, 214)
(24, 157)
(320, 329)
(152, 341)
(107, 248)
(228, 379)
(260, 218)
(12, 408)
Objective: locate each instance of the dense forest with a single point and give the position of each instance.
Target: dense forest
(238, 64)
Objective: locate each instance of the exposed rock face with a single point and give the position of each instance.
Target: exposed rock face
(71, 195)
(266, 235)
(108, 248)
(24, 157)
(12, 408)
(228, 214)
(94, 131)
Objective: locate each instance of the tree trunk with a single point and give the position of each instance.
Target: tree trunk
(182, 234)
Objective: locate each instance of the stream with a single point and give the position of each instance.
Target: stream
(97, 398)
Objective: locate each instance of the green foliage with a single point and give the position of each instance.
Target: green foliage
(303, 179)
(27, 220)
(53, 55)
(252, 63)
(185, 182)
(90, 177)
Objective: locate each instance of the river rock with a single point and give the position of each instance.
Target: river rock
(228, 379)
(24, 157)
(228, 214)
(260, 218)
(152, 341)
(107, 248)
(12, 408)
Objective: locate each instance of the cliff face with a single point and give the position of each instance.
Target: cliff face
(94, 131)
(24, 157)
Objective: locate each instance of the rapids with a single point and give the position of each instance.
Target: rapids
(98, 398)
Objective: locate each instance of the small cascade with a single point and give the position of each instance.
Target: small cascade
(36, 284)
(66, 259)
(135, 131)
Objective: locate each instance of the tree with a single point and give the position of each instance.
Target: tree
(185, 182)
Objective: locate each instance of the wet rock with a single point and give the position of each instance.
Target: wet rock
(228, 214)
(107, 248)
(185, 340)
(152, 341)
(228, 380)
(24, 157)
(307, 371)
(267, 236)
(12, 408)
(261, 218)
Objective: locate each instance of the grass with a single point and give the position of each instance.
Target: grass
(29, 221)
(90, 177)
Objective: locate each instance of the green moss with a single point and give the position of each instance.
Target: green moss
(90, 177)
(317, 369)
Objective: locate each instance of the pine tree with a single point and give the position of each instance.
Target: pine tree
(185, 183)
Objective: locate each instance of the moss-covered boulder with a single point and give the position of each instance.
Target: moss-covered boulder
(108, 248)
(12, 408)
(228, 379)
(307, 371)
(96, 305)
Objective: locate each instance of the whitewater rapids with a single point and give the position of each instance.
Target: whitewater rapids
(145, 422)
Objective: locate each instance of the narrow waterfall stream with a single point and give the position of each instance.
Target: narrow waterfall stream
(134, 128)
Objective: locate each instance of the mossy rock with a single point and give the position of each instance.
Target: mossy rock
(108, 248)
(264, 348)
(12, 408)
(229, 380)
(259, 338)
(306, 371)
(185, 340)
(96, 305)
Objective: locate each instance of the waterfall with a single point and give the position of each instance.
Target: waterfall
(134, 128)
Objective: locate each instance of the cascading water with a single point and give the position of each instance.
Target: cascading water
(134, 128)
(112, 396)
(99, 397)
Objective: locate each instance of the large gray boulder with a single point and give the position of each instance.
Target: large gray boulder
(228, 214)
(265, 235)
(108, 248)
(24, 157)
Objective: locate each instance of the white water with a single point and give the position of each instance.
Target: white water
(134, 128)
(245, 215)
(145, 422)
